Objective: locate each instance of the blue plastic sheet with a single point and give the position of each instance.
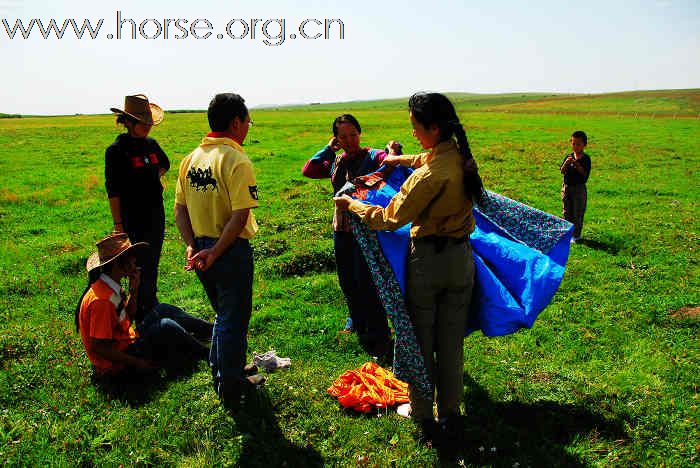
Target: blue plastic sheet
(520, 255)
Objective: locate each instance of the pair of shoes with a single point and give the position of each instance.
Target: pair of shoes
(348, 327)
(270, 361)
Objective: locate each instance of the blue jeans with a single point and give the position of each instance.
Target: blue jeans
(229, 287)
(166, 337)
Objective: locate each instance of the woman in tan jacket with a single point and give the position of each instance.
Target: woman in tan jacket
(437, 198)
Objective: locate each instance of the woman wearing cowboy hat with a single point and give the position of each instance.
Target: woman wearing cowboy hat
(165, 338)
(134, 164)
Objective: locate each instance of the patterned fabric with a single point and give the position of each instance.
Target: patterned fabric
(408, 360)
(520, 254)
(523, 223)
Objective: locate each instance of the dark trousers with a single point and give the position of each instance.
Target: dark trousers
(574, 198)
(169, 337)
(229, 287)
(153, 233)
(368, 316)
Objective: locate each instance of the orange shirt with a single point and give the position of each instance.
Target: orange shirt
(99, 320)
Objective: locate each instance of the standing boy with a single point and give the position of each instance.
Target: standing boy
(576, 169)
(215, 192)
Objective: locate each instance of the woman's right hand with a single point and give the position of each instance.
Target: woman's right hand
(334, 144)
(392, 161)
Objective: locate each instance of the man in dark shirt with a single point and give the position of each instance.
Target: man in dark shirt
(576, 168)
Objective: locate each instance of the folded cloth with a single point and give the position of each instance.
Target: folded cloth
(270, 361)
(369, 387)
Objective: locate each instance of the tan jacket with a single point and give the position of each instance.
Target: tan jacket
(433, 197)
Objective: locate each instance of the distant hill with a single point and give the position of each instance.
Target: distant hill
(10, 116)
(667, 103)
(661, 103)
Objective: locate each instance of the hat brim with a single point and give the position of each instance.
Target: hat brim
(157, 114)
(93, 260)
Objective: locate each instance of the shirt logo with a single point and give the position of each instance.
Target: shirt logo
(137, 162)
(253, 189)
(144, 160)
(201, 179)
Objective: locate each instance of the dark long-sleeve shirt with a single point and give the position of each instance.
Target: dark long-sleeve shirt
(341, 169)
(132, 173)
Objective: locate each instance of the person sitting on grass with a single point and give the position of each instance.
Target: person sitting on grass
(167, 337)
(576, 168)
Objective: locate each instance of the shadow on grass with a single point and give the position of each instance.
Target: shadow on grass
(138, 388)
(529, 434)
(264, 443)
(607, 247)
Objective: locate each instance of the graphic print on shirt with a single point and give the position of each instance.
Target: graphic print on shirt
(144, 160)
(201, 179)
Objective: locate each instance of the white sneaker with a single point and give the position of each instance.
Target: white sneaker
(270, 361)
(404, 410)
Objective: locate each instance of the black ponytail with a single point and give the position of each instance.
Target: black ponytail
(436, 109)
(473, 184)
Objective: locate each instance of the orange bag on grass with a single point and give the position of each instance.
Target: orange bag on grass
(369, 387)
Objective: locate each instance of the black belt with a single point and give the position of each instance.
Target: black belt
(440, 242)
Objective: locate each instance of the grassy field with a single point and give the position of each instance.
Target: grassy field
(608, 375)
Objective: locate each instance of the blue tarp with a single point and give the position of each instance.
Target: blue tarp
(520, 255)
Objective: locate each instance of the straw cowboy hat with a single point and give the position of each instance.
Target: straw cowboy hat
(111, 248)
(139, 108)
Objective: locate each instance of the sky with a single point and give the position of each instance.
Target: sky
(389, 49)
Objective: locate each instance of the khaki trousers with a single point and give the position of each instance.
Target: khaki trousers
(439, 288)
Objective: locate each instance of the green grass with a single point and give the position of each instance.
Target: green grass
(608, 375)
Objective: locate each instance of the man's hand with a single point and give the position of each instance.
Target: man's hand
(189, 254)
(342, 202)
(202, 260)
